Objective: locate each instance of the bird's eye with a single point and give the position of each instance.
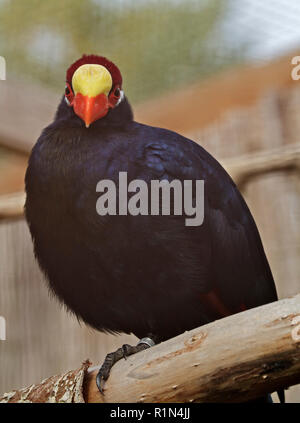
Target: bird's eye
(117, 92)
(69, 96)
(115, 97)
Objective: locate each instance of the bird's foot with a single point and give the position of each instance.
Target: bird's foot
(123, 352)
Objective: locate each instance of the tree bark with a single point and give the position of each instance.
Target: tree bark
(66, 388)
(238, 358)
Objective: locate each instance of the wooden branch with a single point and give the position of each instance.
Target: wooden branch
(243, 168)
(234, 359)
(65, 388)
(12, 205)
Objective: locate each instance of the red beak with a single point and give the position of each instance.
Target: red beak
(90, 109)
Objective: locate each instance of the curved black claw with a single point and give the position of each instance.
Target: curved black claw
(111, 358)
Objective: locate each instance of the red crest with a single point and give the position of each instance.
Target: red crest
(97, 60)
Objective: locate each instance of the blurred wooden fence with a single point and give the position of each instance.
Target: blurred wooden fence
(42, 339)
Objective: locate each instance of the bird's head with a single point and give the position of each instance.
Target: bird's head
(93, 86)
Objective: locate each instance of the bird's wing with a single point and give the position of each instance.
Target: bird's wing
(221, 262)
(225, 252)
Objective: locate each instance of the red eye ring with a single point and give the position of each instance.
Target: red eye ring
(117, 92)
(69, 95)
(114, 97)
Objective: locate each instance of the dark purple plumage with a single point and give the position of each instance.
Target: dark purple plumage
(139, 274)
(142, 274)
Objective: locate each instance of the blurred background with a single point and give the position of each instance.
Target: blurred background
(216, 71)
